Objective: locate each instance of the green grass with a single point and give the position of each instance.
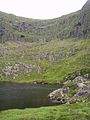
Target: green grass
(31, 36)
(69, 59)
(79, 111)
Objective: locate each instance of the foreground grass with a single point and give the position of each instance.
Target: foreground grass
(79, 111)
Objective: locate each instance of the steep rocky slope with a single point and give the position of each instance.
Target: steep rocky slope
(23, 29)
(77, 89)
(45, 51)
(83, 27)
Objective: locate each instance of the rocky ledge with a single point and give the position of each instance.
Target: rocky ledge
(72, 91)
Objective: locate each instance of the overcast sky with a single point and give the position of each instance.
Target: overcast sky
(40, 9)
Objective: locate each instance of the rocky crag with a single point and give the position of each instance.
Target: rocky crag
(83, 27)
(75, 25)
(72, 91)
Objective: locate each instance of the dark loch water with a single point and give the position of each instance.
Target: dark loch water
(14, 95)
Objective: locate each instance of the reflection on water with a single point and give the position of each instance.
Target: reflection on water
(14, 95)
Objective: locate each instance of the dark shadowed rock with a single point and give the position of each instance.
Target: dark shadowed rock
(83, 27)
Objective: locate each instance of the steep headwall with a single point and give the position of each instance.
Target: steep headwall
(75, 25)
(82, 28)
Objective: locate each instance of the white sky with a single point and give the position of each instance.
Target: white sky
(41, 9)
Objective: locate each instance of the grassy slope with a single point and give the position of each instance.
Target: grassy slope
(69, 57)
(79, 111)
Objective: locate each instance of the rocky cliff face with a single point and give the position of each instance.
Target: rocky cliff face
(23, 29)
(85, 19)
(82, 28)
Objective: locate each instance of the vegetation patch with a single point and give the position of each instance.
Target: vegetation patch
(79, 111)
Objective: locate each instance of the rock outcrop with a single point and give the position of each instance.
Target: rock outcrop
(20, 68)
(76, 90)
